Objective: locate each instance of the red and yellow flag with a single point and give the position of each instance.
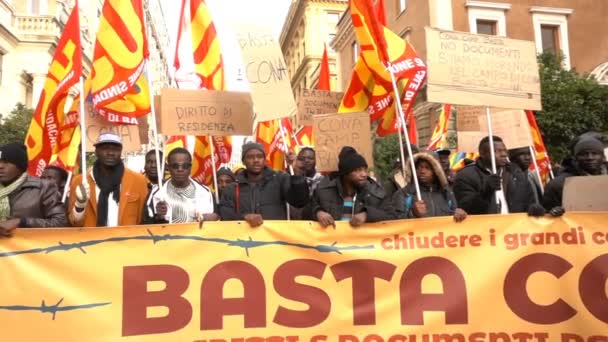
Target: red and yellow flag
(45, 132)
(276, 137)
(371, 88)
(439, 134)
(204, 49)
(202, 165)
(175, 141)
(542, 156)
(119, 86)
(324, 76)
(305, 136)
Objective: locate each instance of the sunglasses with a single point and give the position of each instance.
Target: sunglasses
(177, 166)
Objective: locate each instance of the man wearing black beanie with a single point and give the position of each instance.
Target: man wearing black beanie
(350, 195)
(25, 201)
(589, 160)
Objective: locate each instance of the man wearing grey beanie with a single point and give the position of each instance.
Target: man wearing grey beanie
(259, 193)
(589, 161)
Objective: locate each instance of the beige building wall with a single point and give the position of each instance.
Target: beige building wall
(309, 25)
(581, 27)
(29, 32)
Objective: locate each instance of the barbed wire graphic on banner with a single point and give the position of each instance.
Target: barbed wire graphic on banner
(52, 309)
(240, 243)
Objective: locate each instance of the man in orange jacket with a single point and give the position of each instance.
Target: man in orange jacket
(113, 195)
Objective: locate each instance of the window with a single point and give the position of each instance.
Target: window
(551, 31)
(486, 27)
(402, 5)
(355, 47)
(37, 6)
(331, 37)
(487, 17)
(333, 18)
(549, 36)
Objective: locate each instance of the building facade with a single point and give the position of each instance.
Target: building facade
(309, 25)
(30, 30)
(576, 28)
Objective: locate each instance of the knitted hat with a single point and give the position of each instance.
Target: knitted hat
(443, 151)
(514, 152)
(252, 146)
(16, 154)
(225, 171)
(349, 161)
(588, 144)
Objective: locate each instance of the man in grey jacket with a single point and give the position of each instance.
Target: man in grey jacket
(25, 201)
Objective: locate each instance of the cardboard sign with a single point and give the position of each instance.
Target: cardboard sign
(205, 112)
(143, 127)
(510, 125)
(95, 125)
(467, 118)
(581, 193)
(481, 70)
(266, 72)
(313, 102)
(334, 131)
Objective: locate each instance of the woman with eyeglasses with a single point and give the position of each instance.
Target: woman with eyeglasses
(181, 199)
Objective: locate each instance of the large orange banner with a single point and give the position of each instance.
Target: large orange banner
(491, 278)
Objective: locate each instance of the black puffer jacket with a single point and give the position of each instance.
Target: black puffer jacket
(472, 195)
(371, 199)
(268, 198)
(438, 197)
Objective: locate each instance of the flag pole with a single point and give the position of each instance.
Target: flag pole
(66, 187)
(540, 180)
(154, 125)
(402, 126)
(83, 130)
(492, 151)
(212, 149)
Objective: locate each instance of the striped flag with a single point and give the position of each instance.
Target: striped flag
(202, 165)
(203, 50)
(441, 129)
(45, 133)
(542, 156)
(119, 86)
(370, 87)
(305, 137)
(277, 141)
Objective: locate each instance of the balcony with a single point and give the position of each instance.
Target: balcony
(36, 28)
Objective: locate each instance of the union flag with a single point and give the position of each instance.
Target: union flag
(202, 165)
(542, 156)
(370, 87)
(441, 128)
(277, 138)
(203, 53)
(45, 135)
(118, 84)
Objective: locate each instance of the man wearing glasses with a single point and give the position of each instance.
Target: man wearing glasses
(111, 195)
(181, 199)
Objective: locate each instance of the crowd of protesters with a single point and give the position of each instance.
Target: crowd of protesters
(110, 194)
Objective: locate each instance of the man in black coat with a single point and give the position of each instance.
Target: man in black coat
(350, 195)
(477, 188)
(589, 160)
(259, 193)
